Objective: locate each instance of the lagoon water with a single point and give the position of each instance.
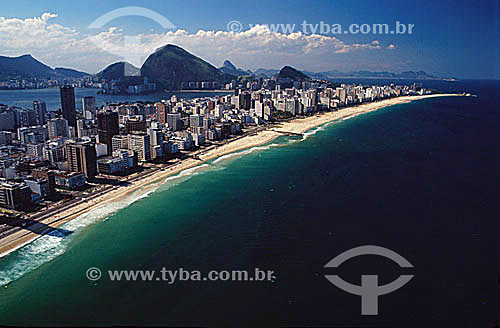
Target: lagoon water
(421, 179)
(51, 96)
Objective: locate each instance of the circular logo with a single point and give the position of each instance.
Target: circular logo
(132, 50)
(93, 274)
(234, 26)
(369, 290)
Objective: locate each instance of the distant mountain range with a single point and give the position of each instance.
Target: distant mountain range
(171, 65)
(229, 68)
(27, 67)
(420, 75)
(168, 66)
(266, 72)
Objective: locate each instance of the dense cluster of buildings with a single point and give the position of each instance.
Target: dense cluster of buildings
(41, 151)
(38, 83)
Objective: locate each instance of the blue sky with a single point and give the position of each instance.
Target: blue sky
(450, 38)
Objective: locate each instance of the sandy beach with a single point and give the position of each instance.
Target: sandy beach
(298, 125)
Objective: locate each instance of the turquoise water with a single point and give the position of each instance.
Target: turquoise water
(417, 178)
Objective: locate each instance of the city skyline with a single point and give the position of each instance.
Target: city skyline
(453, 45)
(248, 163)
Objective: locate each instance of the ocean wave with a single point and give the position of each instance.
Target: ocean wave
(312, 132)
(349, 117)
(186, 173)
(244, 152)
(46, 248)
(31, 257)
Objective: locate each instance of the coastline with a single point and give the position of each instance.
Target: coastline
(298, 125)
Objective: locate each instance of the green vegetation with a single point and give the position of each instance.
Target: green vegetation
(27, 67)
(170, 65)
(288, 72)
(119, 70)
(229, 68)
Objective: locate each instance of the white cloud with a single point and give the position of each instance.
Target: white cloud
(58, 45)
(53, 44)
(47, 16)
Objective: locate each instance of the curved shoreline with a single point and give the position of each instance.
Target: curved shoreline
(298, 125)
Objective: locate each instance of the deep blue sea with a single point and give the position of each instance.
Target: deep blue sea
(421, 179)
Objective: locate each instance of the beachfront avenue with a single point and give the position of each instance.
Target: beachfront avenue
(181, 274)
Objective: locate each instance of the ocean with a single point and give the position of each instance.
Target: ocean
(421, 179)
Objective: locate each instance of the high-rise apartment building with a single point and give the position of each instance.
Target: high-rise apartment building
(40, 109)
(107, 127)
(140, 143)
(196, 121)
(161, 112)
(58, 127)
(135, 125)
(82, 158)
(119, 142)
(174, 121)
(68, 104)
(13, 195)
(89, 107)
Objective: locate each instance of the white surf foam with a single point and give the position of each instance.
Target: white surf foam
(30, 257)
(186, 173)
(312, 132)
(349, 117)
(46, 248)
(244, 152)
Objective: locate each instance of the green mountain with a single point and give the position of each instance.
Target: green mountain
(171, 65)
(291, 73)
(118, 71)
(229, 68)
(266, 73)
(24, 67)
(27, 67)
(69, 73)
